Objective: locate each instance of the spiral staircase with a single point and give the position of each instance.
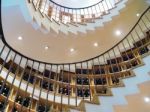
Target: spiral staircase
(81, 27)
(45, 24)
(104, 83)
(122, 96)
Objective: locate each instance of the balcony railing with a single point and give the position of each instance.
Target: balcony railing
(31, 85)
(66, 15)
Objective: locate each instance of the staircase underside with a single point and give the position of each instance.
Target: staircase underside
(129, 98)
(102, 83)
(46, 24)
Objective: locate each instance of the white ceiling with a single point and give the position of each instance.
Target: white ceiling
(34, 41)
(76, 3)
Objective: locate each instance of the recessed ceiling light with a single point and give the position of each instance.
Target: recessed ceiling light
(20, 38)
(147, 99)
(46, 47)
(96, 44)
(71, 50)
(118, 32)
(137, 14)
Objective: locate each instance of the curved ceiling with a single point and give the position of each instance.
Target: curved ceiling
(76, 3)
(34, 40)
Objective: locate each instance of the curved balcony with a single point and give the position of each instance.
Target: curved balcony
(73, 15)
(30, 85)
(67, 19)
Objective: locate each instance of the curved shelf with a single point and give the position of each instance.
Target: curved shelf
(31, 84)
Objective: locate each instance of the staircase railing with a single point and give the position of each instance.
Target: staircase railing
(65, 85)
(66, 15)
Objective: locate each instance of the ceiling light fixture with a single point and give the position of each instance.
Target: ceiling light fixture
(20, 38)
(147, 99)
(96, 44)
(118, 32)
(137, 14)
(46, 47)
(71, 50)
